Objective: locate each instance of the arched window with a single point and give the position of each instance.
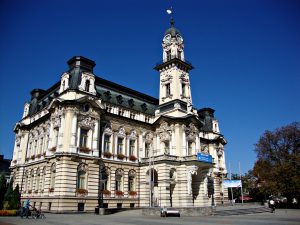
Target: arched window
(87, 85)
(52, 177)
(119, 180)
(105, 178)
(120, 145)
(131, 180)
(168, 89)
(81, 177)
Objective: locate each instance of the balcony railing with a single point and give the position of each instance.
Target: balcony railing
(173, 57)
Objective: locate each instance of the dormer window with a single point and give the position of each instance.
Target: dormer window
(63, 85)
(87, 86)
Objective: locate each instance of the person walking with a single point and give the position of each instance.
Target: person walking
(25, 209)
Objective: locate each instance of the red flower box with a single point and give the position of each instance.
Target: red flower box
(132, 193)
(119, 193)
(132, 158)
(106, 192)
(81, 191)
(51, 189)
(53, 149)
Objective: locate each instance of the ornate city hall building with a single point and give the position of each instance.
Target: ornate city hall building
(88, 142)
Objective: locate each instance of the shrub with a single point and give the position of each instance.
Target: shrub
(107, 154)
(13, 212)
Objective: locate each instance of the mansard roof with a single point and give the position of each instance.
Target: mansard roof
(108, 91)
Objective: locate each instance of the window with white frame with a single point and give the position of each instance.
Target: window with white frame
(56, 137)
(131, 180)
(41, 145)
(87, 85)
(81, 177)
(83, 140)
(167, 147)
(38, 176)
(131, 147)
(120, 145)
(190, 148)
(168, 89)
(119, 180)
(147, 149)
(106, 143)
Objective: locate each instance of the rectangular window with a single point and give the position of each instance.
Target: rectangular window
(131, 183)
(118, 183)
(120, 145)
(106, 143)
(169, 55)
(178, 54)
(147, 149)
(83, 137)
(131, 147)
(168, 90)
(147, 119)
(121, 112)
(167, 147)
(80, 207)
(183, 89)
(190, 148)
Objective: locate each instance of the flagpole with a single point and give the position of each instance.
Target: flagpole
(231, 187)
(241, 183)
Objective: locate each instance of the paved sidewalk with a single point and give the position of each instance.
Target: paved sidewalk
(134, 217)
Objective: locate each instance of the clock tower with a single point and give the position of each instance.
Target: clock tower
(175, 97)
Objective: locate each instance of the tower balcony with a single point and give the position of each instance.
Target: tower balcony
(183, 64)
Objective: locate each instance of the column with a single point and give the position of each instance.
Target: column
(61, 133)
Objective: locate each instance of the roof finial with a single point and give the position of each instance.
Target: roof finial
(170, 12)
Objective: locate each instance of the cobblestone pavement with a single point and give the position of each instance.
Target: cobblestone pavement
(280, 217)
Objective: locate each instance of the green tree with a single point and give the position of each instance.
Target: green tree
(2, 189)
(278, 162)
(12, 197)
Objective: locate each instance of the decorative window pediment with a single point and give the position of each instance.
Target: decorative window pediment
(165, 132)
(86, 122)
(191, 132)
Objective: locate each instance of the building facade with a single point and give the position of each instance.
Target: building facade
(87, 141)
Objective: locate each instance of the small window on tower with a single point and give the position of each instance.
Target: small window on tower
(183, 89)
(178, 54)
(87, 86)
(168, 90)
(169, 55)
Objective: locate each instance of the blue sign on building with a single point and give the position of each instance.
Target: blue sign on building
(204, 157)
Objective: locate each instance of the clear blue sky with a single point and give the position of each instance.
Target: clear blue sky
(246, 55)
